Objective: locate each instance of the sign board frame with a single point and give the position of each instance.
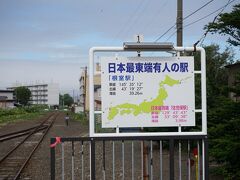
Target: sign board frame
(202, 110)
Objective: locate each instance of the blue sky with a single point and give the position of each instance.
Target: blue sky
(48, 40)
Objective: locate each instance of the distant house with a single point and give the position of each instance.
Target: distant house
(84, 89)
(233, 70)
(6, 99)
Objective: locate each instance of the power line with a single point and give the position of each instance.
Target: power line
(171, 35)
(165, 33)
(129, 19)
(205, 34)
(193, 23)
(204, 17)
(184, 19)
(221, 8)
(198, 9)
(154, 16)
(136, 20)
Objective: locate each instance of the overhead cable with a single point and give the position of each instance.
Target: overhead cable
(204, 17)
(214, 19)
(184, 19)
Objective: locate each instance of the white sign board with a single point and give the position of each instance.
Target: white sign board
(147, 91)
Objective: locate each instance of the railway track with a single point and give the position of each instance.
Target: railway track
(15, 160)
(23, 132)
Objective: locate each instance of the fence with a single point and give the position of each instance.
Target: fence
(145, 157)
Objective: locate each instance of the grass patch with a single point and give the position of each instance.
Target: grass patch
(21, 114)
(99, 129)
(20, 117)
(81, 117)
(98, 126)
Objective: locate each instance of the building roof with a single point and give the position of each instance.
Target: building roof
(233, 65)
(7, 100)
(35, 85)
(6, 91)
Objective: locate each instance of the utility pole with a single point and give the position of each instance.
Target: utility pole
(179, 25)
(179, 22)
(73, 97)
(85, 90)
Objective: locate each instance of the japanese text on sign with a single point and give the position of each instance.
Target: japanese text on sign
(147, 67)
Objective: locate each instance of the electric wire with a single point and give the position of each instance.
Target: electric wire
(129, 20)
(184, 19)
(198, 9)
(214, 19)
(154, 16)
(165, 33)
(204, 17)
(136, 20)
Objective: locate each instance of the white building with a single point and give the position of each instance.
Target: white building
(6, 99)
(43, 93)
(84, 89)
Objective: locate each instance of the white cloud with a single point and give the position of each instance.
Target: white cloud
(66, 74)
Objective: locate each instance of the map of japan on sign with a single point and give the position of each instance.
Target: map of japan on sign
(147, 91)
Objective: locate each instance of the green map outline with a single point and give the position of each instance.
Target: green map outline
(145, 106)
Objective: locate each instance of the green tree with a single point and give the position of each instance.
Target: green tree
(228, 24)
(68, 100)
(224, 136)
(217, 77)
(23, 95)
(223, 113)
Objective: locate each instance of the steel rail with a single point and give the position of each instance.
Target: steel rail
(21, 134)
(29, 135)
(31, 154)
(18, 132)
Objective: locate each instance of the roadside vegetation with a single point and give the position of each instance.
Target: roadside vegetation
(223, 113)
(24, 110)
(81, 117)
(21, 113)
(65, 100)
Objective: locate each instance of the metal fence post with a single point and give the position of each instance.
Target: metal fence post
(92, 159)
(52, 162)
(82, 159)
(206, 158)
(171, 158)
(73, 174)
(104, 163)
